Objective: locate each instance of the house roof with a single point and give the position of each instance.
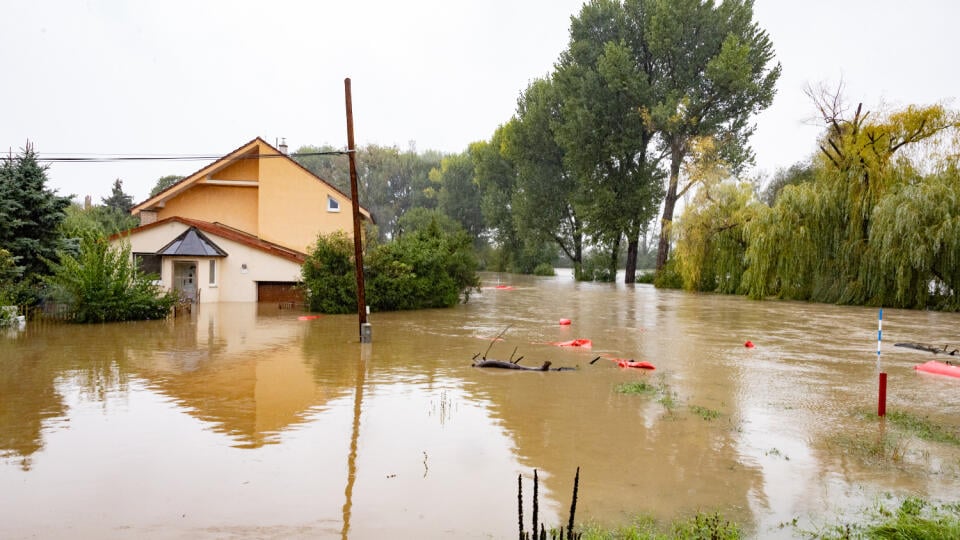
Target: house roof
(192, 243)
(246, 151)
(226, 232)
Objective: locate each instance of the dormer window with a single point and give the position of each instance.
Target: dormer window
(332, 204)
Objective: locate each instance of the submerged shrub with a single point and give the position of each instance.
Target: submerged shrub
(101, 284)
(329, 277)
(426, 268)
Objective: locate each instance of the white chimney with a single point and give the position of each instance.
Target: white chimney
(283, 145)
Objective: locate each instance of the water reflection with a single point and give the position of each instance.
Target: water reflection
(243, 420)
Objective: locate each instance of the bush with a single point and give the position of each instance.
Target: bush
(425, 268)
(429, 268)
(329, 278)
(596, 267)
(101, 284)
(544, 269)
(668, 277)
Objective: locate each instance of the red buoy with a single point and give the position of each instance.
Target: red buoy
(564, 322)
(748, 344)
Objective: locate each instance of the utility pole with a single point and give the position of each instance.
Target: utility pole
(366, 332)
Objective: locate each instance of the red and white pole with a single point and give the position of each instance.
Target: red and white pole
(882, 398)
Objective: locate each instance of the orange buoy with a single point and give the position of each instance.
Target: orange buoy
(308, 317)
(583, 343)
(748, 344)
(564, 322)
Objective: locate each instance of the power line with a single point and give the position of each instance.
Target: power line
(118, 158)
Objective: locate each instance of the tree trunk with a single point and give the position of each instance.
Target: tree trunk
(614, 257)
(669, 203)
(632, 252)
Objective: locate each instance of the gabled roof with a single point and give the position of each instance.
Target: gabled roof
(192, 243)
(229, 233)
(246, 151)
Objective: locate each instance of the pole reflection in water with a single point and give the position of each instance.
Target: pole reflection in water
(354, 437)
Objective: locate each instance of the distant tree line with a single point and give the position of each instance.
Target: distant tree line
(596, 148)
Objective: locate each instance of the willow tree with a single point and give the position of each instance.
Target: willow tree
(711, 234)
(712, 68)
(819, 241)
(915, 245)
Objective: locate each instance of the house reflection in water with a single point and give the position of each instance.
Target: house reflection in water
(246, 377)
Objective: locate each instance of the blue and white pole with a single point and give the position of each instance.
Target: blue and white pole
(879, 337)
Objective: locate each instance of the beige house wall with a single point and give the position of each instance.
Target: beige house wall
(236, 274)
(294, 206)
(235, 206)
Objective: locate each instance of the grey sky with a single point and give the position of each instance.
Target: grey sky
(204, 77)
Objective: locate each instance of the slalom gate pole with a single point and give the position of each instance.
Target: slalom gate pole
(882, 398)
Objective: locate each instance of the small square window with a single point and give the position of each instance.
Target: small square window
(148, 263)
(332, 204)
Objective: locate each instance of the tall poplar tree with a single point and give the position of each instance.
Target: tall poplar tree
(605, 86)
(712, 66)
(548, 199)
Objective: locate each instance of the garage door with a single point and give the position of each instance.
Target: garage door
(278, 291)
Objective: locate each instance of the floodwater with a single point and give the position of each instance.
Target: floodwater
(243, 421)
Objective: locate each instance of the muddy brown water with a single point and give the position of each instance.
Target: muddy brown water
(242, 420)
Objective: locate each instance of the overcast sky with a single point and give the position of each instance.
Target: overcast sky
(204, 77)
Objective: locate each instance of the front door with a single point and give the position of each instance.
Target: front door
(185, 279)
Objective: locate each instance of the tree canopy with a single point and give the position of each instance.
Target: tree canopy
(872, 220)
(30, 213)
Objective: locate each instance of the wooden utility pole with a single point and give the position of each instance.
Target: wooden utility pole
(365, 330)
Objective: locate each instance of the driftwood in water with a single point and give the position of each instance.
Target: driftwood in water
(485, 362)
(944, 349)
(509, 365)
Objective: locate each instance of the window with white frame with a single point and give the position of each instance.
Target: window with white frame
(333, 205)
(213, 272)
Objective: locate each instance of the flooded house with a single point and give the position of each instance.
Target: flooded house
(238, 229)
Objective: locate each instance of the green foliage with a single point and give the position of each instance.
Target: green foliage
(544, 269)
(918, 519)
(427, 268)
(914, 245)
(923, 427)
(712, 73)
(118, 200)
(9, 272)
(704, 412)
(700, 526)
(97, 220)
(710, 253)
(101, 284)
(646, 277)
(668, 277)
(636, 387)
(390, 182)
(458, 193)
(329, 276)
(797, 173)
(855, 227)
(546, 202)
(29, 213)
(163, 183)
(597, 267)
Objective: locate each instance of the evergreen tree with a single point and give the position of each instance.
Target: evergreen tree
(118, 200)
(29, 213)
